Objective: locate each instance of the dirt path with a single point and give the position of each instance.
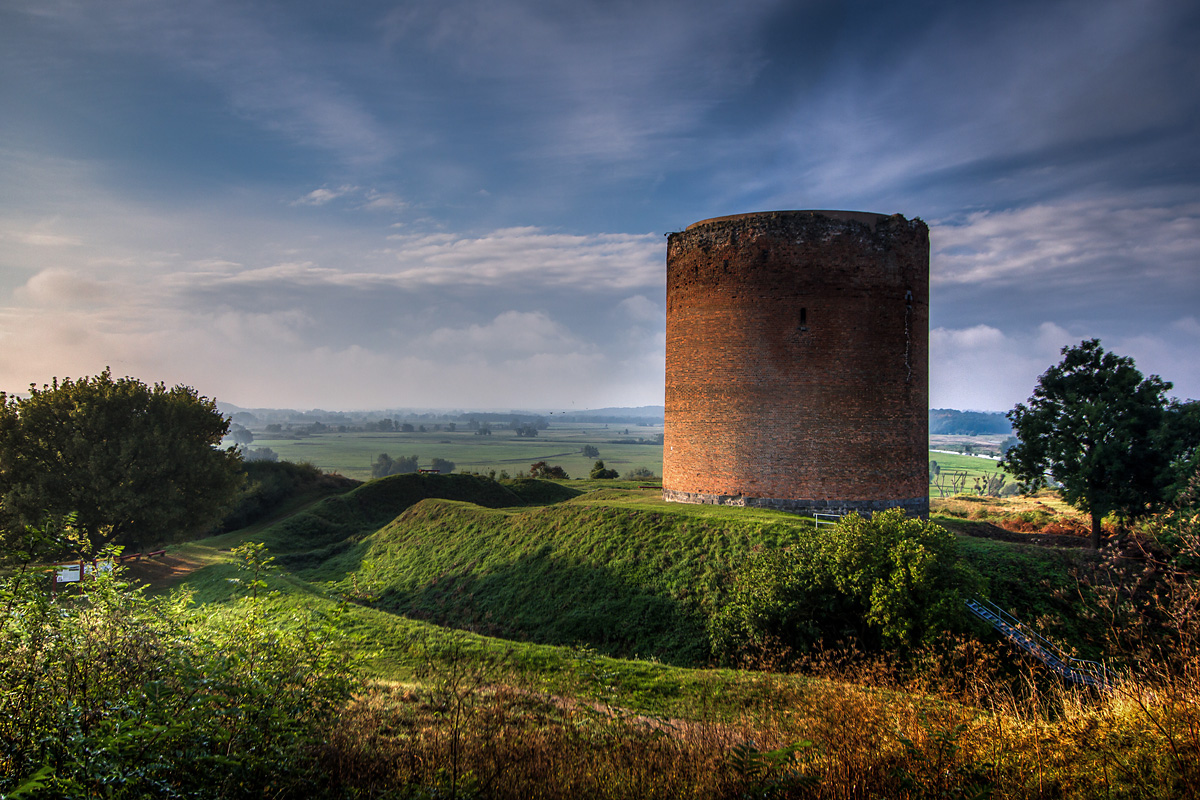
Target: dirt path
(165, 570)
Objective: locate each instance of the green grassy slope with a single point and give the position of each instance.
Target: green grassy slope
(615, 569)
(633, 580)
(340, 520)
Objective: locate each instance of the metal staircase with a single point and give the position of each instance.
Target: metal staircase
(1087, 673)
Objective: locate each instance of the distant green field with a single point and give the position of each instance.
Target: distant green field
(351, 454)
(974, 466)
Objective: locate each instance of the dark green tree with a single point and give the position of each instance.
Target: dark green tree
(590, 451)
(541, 469)
(240, 434)
(600, 473)
(1091, 425)
(1179, 440)
(385, 465)
(136, 464)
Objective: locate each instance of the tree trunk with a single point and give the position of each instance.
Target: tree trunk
(1096, 530)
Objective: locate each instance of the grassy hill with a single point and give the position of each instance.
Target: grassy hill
(500, 708)
(614, 568)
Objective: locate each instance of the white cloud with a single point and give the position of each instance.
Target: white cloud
(538, 259)
(322, 196)
(642, 309)
(40, 238)
(267, 310)
(62, 287)
(984, 369)
(512, 335)
(384, 201)
(1078, 243)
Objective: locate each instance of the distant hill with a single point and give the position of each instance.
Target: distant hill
(648, 415)
(640, 415)
(967, 423)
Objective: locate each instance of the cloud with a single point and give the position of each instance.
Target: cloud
(512, 335)
(507, 318)
(593, 81)
(322, 196)
(643, 310)
(366, 198)
(53, 288)
(949, 106)
(40, 238)
(529, 256)
(984, 368)
(1075, 243)
(384, 201)
(268, 74)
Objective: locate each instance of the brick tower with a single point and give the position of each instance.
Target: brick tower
(797, 362)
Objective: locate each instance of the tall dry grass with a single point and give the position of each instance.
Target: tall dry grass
(963, 723)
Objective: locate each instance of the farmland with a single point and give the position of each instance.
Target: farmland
(351, 454)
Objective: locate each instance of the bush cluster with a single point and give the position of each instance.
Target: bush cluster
(106, 693)
(883, 581)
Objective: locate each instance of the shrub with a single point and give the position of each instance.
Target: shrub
(881, 581)
(600, 473)
(105, 693)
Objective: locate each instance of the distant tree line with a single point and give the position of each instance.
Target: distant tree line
(967, 423)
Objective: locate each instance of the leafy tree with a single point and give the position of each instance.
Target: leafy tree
(600, 473)
(240, 434)
(1091, 424)
(590, 451)
(640, 474)
(386, 465)
(1179, 440)
(260, 454)
(541, 469)
(442, 465)
(134, 463)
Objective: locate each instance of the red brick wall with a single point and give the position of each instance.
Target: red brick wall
(797, 360)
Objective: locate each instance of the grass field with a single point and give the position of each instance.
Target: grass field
(351, 454)
(566, 575)
(971, 467)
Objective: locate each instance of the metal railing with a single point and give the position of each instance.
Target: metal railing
(1077, 670)
(821, 518)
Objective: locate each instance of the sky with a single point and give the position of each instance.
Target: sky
(462, 203)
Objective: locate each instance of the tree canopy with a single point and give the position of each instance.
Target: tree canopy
(133, 463)
(1092, 424)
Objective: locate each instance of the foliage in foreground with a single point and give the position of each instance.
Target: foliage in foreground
(473, 721)
(884, 581)
(106, 693)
